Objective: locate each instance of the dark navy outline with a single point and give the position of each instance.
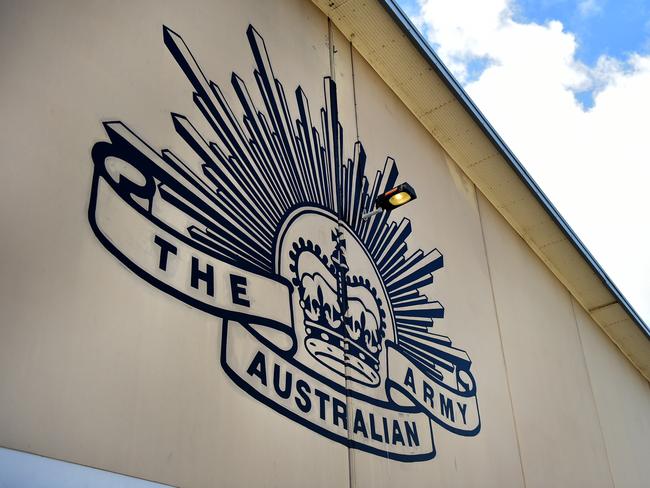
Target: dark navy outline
(161, 285)
(309, 164)
(390, 384)
(302, 421)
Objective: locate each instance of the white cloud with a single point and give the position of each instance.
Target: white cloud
(593, 163)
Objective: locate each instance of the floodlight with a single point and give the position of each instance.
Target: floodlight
(393, 198)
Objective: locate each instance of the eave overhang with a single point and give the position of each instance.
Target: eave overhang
(389, 42)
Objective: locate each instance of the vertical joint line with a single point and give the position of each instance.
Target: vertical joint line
(591, 388)
(354, 91)
(498, 321)
(340, 228)
(330, 48)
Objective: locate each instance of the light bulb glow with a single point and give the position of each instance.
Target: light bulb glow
(399, 199)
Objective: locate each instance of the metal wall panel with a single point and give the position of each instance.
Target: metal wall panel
(103, 366)
(559, 433)
(99, 367)
(444, 216)
(623, 401)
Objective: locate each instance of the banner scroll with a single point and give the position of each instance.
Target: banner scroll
(258, 339)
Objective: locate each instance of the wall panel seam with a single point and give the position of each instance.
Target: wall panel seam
(330, 48)
(354, 90)
(591, 389)
(496, 315)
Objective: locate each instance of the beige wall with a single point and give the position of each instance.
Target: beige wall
(623, 401)
(581, 408)
(99, 368)
(559, 436)
(445, 217)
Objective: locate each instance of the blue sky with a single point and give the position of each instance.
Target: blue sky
(612, 28)
(567, 85)
(615, 27)
(601, 27)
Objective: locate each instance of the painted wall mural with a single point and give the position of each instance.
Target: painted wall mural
(323, 313)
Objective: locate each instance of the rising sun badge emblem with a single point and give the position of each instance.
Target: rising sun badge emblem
(324, 315)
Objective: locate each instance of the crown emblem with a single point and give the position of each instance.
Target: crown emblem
(343, 317)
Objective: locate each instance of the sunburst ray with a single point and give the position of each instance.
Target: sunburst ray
(254, 169)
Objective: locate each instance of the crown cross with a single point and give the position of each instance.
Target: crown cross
(341, 270)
